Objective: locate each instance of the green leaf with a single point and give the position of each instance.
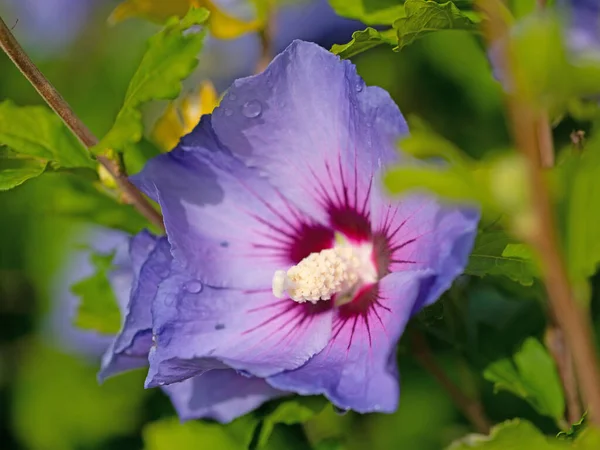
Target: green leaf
(426, 16)
(289, 412)
(170, 58)
(37, 132)
(575, 429)
(98, 309)
(533, 377)
(514, 434)
(579, 174)
(15, 171)
(57, 402)
(171, 434)
(365, 40)
(488, 258)
(448, 184)
(369, 12)
(80, 199)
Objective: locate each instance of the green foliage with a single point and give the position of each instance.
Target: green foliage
(490, 257)
(169, 434)
(170, 58)
(15, 170)
(575, 429)
(426, 16)
(58, 403)
(512, 435)
(364, 40)
(289, 412)
(579, 174)
(370, 12)
(36, 139)
(98, 309)
(533, 377)
(548, 76)
(37, 132)
(520, 434)
(79, 199)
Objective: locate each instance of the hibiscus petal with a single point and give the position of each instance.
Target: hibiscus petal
(222, 395)
(150, 262)
(196, 325)
(357, 370)
(310, 124)
(226, 224)
(420, 232)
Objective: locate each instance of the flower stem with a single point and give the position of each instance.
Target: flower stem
(569, 315)
(15, 52)
(470, 407)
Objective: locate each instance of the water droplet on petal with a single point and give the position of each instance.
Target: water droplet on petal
(228, 112)
(219, 326)
(224, 244)
(193, 287)
(161, 383)
(376, 407)
(252, 109)
(359, 87)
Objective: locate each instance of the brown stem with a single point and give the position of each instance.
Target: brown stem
(569, 315)
(15, 52)
(555, 342)
(545, 141)
(470, 407)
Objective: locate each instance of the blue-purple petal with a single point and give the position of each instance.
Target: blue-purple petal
(357, 370)
(222, 395)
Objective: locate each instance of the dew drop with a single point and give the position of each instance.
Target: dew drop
(252, 109)
(161, 383)
(193, 287)
(224, 244)
(228, 112)
(219, 326)
(359, 87)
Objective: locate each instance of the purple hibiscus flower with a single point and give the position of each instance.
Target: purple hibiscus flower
(285, 268)
(583, 32)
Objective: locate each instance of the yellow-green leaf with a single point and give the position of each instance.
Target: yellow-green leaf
(170, 58)
(38, 132)
(365, 40)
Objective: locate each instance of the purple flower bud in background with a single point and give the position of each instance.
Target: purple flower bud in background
(58, 327)
(47, 26)
(583, 32)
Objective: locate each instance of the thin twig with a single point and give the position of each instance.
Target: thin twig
(470, 407)
(555, 342)
(15, 52)
(569, 315)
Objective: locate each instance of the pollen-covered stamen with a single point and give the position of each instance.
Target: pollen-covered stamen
(338, 270)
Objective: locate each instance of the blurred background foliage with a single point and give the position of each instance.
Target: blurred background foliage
(49, 397)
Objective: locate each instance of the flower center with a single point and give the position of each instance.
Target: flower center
(339, 270)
